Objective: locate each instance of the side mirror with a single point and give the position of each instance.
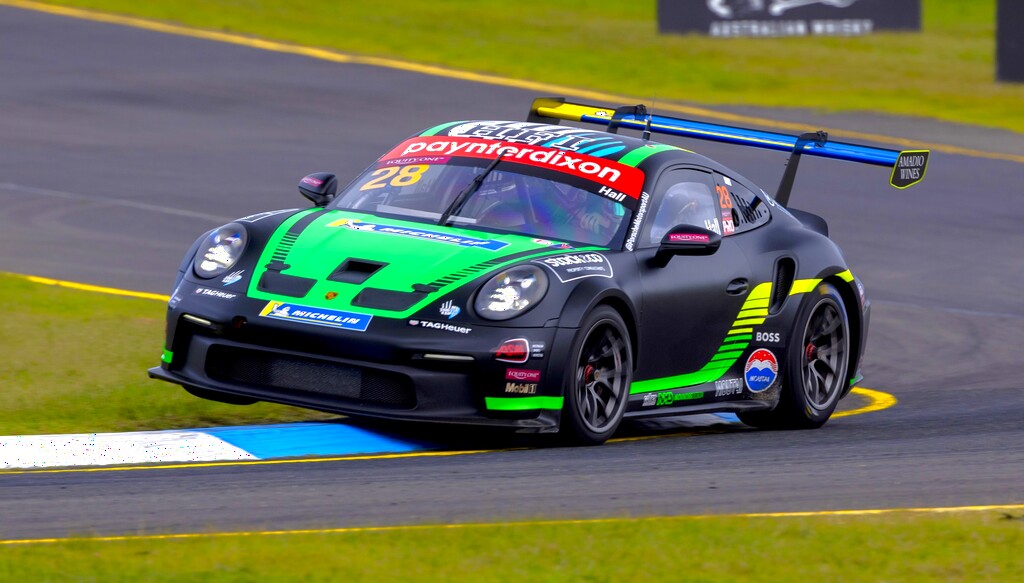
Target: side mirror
(319, 187)
(686, 240)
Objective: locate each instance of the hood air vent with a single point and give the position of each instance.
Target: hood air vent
(355, 271)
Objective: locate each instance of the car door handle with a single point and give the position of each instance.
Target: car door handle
(737, 287)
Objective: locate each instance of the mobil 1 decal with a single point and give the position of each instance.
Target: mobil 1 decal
(573, 266)
(761, 370)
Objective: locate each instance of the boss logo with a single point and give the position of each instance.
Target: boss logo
(768, 337)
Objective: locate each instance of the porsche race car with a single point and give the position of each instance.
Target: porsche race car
(537, 276)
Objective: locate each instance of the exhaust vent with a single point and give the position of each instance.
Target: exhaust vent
(785, 270)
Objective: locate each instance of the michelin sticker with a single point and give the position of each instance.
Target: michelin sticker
(573, 266)
(317, 316)
(761, 370)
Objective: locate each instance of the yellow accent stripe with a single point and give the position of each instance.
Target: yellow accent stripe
(750, 322)
(759, 312)
(523, 524)
(761, 292)
(544, 88)
(846, 276)
(802, 286)
(92, 288)
(740, 331)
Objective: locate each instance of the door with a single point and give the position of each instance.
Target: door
(690, 305)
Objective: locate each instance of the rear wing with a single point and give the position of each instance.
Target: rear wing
(908, 166)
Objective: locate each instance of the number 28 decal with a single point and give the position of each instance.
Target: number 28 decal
(396, 176)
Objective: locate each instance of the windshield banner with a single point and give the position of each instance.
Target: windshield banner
(618, 177)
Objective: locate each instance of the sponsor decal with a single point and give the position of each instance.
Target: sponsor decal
(522, 375)
(330, 295)
(536, 350)
(619, 177)
(516, 350)
(214, 293)
(688, 238)
(176, 299)
(761, 370)
(314, 182)
(317, 316)
(575, 266)
(728, 228)
(727, 387)
(767, 337)
(596, 144)
(443, 326)
(650, 400)
(670, 398)
(909, 168)
(449, 309)
(357, 225)
(638, 218)
(258, 216)
(418, 160)
(233, 277)
(521, 388)
(555, 244)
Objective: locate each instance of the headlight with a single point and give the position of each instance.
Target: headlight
(511, 292)
(220, 250)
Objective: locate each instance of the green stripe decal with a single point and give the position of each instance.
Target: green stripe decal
(523, 403)
(438, 129)
(640, 154)
(727, 354)
(167, 356)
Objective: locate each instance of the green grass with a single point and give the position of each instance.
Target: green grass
(75, 361)
(945, 72)
(902, 547)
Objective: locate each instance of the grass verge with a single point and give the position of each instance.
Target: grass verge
(75, 362)
(947, 71)
(899, 547)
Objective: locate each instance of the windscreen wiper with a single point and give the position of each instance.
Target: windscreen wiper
(463, 196)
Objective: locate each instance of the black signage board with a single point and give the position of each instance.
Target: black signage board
(772, 18)
(1010, 41)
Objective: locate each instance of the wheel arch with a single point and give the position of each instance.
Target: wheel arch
(854, 316)
(586, 298)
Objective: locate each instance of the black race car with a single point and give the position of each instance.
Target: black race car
(536, 276)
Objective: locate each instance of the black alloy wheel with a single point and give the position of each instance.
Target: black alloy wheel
(599, 386)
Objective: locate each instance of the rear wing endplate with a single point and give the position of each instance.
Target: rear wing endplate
(908, 166)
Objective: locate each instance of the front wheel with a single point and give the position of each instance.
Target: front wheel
(602, 369)
(816, 365)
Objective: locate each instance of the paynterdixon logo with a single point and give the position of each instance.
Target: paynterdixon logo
(317, 316)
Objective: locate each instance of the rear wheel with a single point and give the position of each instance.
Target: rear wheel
(816, 365)
(597, 391)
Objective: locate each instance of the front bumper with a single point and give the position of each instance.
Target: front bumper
(393, 370)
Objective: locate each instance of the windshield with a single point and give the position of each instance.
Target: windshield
(513, 197)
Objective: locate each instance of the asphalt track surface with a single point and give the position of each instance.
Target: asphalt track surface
(119, 146)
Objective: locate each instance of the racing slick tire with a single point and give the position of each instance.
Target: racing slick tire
(816, 365)
(219, 397)
(597, 387)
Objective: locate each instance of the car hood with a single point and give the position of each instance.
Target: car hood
(384, 267)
